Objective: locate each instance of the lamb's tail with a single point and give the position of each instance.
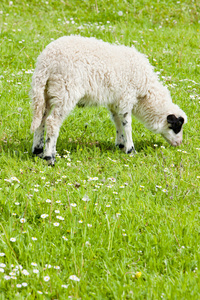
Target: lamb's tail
(39, 82)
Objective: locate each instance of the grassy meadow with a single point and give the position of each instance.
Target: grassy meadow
(100, 224)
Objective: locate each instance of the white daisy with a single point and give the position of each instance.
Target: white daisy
(74, 277)
(46, 278)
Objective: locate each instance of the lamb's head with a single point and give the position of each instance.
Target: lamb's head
(172, 129)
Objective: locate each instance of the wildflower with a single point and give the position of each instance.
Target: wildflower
(124, 234)
(57, 211)
(24, 284)
(198, 176)
(6, 277)
(92, 178)
(112, 179)
(85, 198)
(13, 240)
(158, 186)
(58, 201)
(57, 267)
(118, 214)
(1, 270)
(164, 191)
(138, 275)
(74, 277)
(48, 201)
(36, 271)
(108, 205)
(25, 272)
(22, 220)
(12, 274)
(34, 238)
(18, 285)
(15, 179)
(8, 180)
(73, 204)
(14, 214)
(56, 224)
(60, 218)
(46, 278)
(44, 216)
(17, 203)
(39, 292)
(2, 254)
(48, 266)
(80, 221)
(64, 286)
(120, 13)
(34, 264)
(43, 178)
(64, 238)
(2, 265)
(87, 243)
(89, 225)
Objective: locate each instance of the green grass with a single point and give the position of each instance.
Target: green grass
(143, 210)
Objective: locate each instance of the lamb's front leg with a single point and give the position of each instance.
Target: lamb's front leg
(120, 139)
(126, 124)
(53, 126)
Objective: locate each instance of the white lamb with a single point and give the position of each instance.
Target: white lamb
(86, 71)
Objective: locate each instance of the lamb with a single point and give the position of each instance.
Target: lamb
(85, 71)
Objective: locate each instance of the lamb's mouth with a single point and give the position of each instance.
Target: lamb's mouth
(174, 144)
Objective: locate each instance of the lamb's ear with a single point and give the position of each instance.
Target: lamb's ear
(171, 119)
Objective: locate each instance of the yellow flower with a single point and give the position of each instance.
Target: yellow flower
(138, 275)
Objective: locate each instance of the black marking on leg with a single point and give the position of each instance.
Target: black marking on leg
(117, 131)
(125, 115)
(48, 140)
(48, 157)
(124, 123)
(37, 151)
(130, 150)
(121, 146)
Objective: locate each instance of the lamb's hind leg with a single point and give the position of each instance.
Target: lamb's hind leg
(53, 124)
(38, 139)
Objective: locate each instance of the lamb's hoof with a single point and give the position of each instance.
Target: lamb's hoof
(121, 146)
(50, 160)
(132, 149)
